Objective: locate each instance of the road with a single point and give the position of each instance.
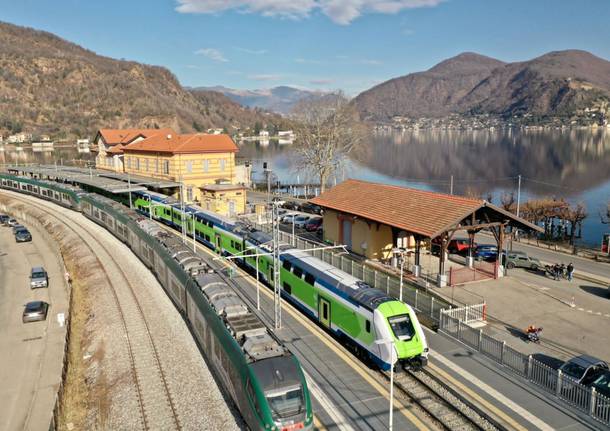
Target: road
(30, 354)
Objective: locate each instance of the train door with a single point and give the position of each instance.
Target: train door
(217, 243)
(324, 312)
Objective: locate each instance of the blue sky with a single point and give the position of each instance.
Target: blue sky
(317, 44)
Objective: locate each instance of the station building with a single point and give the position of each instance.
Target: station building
(375, 220)
(203, 163)
(109, 144)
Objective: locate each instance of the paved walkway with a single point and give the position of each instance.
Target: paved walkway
(30, 354)
(575, 315)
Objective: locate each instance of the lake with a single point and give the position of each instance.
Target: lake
(570, 164)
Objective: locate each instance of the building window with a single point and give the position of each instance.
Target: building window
(146, 165)
(137, 163)
(166, 167)
(189, 167)
(156, 166)
(222, 164)
(206, 165)
(189, 193)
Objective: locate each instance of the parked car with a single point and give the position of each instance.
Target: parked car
(520, 259)
(291, 205)
(584, 369)
(288, 218)
(602, 383)
(12, 222)
(313, 224)
(486, 252)
(281, 212)
(38, 277)
(35, 311)
(17, 227)
(23, 235)
(455, 246)
(311, 208)
(301, 221)
(4, 219)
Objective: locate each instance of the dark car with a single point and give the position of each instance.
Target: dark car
(602, 383)
(4, 219)
(584, 369)
(35, 311)
(290, 205)
(486, 252)
(311, 208)
(313, 224)
(23, 235)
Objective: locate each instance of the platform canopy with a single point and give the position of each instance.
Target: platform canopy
(419, 212)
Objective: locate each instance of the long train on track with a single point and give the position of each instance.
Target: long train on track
(260, 374)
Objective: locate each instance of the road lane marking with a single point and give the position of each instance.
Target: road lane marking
(525, 414)
(322, 336)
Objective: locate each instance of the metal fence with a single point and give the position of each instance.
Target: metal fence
(581, 397)
(421, 300)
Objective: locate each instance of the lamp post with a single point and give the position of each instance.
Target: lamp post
(400, 252)
(128, 187)
(392, 362)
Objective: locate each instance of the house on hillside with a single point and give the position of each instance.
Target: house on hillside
(203, 163)
(109, 144)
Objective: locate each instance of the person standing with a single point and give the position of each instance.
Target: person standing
(570, 270)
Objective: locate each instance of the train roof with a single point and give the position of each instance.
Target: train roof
(246, 328)
(157, 197)
(341, 282)
(277, 373)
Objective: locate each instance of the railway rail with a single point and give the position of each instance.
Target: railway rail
(155, 401)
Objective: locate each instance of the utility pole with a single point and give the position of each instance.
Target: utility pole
(129, 188)
(518, 194)
(277, 297)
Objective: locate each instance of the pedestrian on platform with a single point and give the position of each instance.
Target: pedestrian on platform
(570, 270)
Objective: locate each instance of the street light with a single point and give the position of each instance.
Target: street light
(392, 362)
(401, 252)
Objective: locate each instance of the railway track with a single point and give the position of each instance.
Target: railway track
(155, 401)
(441, 403)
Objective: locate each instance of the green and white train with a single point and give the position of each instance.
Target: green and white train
(364, 319)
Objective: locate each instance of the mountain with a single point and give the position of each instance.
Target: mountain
(555, 84)
(280, 99)
(49, 85)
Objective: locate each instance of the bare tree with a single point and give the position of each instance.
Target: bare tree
(507, 200)
(575, 215)
(328, 132)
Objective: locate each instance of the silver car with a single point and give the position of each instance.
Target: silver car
(35, 311)
(301, 221)
(38, 278)
(12, 222)
(23, 235)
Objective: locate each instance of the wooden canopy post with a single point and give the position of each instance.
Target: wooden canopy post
(417, 267)
(470, 258)
(442, 278)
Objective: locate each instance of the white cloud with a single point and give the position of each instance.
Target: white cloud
(252, 51)
(265, 77)
(371, 62)
(340, 11)
(306, 61)
(212, 54)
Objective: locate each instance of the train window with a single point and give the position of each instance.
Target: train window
(288, 288)
(298, 272)
(310, 279)
(232, 244)
(287, 265)
(238, 246)
(368, 326)
(207, 238)
(252, 396)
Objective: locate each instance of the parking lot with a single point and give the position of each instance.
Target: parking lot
(31, 353)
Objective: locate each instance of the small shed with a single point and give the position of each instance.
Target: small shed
(373, 219)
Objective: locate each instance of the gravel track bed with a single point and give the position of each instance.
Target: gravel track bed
(197, 399)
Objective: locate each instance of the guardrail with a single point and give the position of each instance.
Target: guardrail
(553, 381)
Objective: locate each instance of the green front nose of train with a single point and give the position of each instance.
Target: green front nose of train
(406, 332)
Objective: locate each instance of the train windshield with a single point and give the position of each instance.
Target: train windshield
(402, 327)
(285, 403)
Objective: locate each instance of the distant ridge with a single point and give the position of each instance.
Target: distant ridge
(557, 83)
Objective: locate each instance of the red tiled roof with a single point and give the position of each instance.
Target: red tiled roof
(125, 136)
(192, 143)
(416, 211)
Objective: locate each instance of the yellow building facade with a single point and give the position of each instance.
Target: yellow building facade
(197, 161)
